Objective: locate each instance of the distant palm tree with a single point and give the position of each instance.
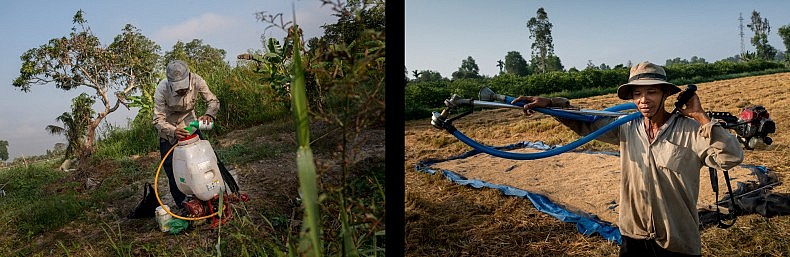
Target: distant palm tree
(73, 138)
(500, 64)
(75, 125)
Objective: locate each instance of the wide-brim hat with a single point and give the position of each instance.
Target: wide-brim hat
(646, 74)
(178, 75)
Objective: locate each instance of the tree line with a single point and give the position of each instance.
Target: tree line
(544, 60)
(544, 73)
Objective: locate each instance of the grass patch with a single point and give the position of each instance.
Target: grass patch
(244, 153)
(117, 142)
(34, 203)
(364, 202)
(47, 213)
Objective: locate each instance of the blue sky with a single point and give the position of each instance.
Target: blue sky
(26, 24)
(442, 33)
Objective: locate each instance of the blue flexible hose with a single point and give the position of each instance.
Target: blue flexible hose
(558, 150)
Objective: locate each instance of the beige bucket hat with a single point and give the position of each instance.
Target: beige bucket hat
(643, 74)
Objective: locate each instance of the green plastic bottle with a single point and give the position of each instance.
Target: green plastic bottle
(196, 124)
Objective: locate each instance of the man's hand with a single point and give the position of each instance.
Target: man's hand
(181, 133)
(694, 110)
(532, 102)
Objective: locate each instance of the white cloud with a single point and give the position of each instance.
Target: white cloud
(202, 26)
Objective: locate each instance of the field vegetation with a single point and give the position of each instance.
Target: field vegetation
(446, 219)
(82, 212)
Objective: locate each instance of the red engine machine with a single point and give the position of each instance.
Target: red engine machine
(752, 125)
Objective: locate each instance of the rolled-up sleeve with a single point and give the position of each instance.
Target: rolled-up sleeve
(718, 148)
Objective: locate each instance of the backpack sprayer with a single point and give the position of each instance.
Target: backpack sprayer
(198, 172)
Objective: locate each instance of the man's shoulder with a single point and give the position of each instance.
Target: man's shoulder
(195, 76)
(161, 87)
(686, 121)
(161, 84)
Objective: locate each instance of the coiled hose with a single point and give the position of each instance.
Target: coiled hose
(557, 113)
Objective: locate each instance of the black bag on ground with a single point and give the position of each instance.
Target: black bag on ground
(147, 207)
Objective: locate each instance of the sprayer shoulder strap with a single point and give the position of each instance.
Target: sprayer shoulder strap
(227, 177)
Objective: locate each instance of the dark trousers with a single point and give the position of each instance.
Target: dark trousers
(644, 247)
(164, 146)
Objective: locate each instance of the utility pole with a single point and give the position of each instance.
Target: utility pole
(740, 20)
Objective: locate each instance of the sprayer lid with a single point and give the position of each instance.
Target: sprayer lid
(189, 139)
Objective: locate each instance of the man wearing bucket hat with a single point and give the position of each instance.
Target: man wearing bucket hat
(661, 155)
(174, 108)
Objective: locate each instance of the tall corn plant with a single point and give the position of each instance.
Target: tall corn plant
(311, 241)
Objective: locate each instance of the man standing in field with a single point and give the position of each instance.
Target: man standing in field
(174, 108)
(661, 154)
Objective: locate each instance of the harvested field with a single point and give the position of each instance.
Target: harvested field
(446, 219)
(579, 181)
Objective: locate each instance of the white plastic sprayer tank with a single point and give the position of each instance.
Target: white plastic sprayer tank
(195, 169)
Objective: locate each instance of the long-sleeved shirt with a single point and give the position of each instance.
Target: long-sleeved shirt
(660, 181)
(172, 111)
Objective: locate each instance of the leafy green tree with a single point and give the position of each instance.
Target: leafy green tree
(784, 33)
(695, 59)
(74, 125)
(429, 76)
(761, 28)
(553, 63)
(543, 47)
(114, 72)
(274, 65)
(468, 69)
(676, 60)
(59, 148)
(515, 64)
(591, 65)
(201, 58)
(3, 150)
(353, 19)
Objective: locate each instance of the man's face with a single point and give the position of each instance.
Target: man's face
(648, 99)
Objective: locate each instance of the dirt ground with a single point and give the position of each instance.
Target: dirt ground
(271, 183)
(462, 220)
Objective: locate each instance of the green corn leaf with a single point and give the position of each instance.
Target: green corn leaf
(304, 155)
(299, 97)
(307, 183)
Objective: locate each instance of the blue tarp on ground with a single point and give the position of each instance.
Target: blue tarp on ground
(585, 223)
